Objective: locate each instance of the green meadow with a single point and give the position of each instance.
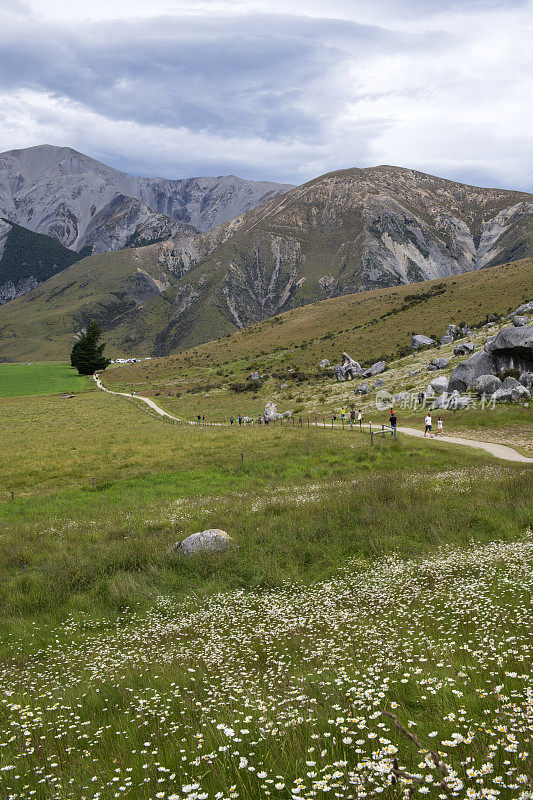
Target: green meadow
(21, 380)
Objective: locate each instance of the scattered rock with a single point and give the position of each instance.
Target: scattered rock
(379, 382)
(431, 367)
(519, 321)
(418, 341)
(324, 363)
(254, 376)
(284, 386)
(347, 369)
(463, 349)
(440, 363)
(212, 540)
(375, 369)
(446, 339)
(402, 398)
(430, 393)
(271, 411)
(440, 384)
(363, 389)
(414, 372)
(487, 384)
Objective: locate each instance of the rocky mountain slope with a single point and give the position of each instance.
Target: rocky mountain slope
(82, 202)
(27, 259)
(345, 232)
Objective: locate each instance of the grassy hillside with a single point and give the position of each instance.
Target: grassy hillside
(41, 324)
(368, 325)
(28, 254)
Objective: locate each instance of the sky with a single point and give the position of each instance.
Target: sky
(274, 89)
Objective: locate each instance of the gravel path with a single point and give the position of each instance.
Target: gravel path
(497, 450)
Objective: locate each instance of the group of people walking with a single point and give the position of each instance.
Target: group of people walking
(355, 417)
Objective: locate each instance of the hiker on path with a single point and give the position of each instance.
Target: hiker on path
(439, 426)
(360, 417)
(393, 420)
(231, 420)
(240, 420)
(352, 416)
(420, 398)
(428, 426)
(343, 413)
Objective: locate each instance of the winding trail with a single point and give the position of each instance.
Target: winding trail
(497, 450)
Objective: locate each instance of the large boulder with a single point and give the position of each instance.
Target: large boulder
(418, 341)
(513, 349)
(526, 379)
(430, 392)
(348, 368)
(212, 540)
(519, 321)
(456, 400)
(271, 411)
(466, 373)
(363, 389)
(375, 369)
(446, 339)
(440, 363)
(486, 384)
(440, 384)
(463, 349)
(511, 393)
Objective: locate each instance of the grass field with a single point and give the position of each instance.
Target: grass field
(394, 578)
(20, 380)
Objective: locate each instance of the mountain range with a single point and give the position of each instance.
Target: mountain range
(88, 206)
(343, 232)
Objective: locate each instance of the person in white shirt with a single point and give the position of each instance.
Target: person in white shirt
(428, 424)
(439, 426)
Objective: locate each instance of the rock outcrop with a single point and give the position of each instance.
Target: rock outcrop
(512, 348)
(375, 369)
(418, 341)
(271, 411)
(347, 369)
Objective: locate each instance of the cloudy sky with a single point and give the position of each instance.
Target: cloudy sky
(276, 89)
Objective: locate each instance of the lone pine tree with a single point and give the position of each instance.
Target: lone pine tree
(87, 355)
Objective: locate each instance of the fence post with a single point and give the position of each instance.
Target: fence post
(371, 436)
(382, 431)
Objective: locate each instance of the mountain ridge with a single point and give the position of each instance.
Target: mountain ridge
(347, 231)
(58, 190)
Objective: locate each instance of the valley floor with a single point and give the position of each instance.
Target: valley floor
(368, 634)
